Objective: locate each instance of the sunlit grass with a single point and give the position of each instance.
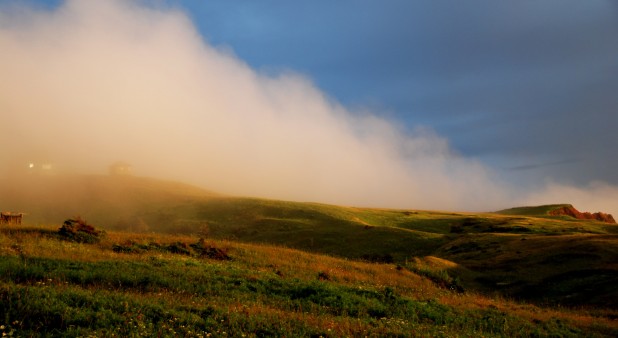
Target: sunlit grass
(51, 285)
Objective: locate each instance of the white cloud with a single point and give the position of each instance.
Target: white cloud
(97, 81)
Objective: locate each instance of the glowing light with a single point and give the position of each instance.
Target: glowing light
(31, 165)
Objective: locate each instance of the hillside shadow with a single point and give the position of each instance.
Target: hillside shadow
(29, 231)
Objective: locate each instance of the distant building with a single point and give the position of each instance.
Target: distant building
(120, 169)
(11, 217)
(24, 163)
(40, 168)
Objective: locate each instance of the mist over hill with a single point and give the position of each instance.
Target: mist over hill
(512, 252)
(91, 82)
(107, 200)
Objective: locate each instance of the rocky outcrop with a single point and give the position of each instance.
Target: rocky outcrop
(569, 210)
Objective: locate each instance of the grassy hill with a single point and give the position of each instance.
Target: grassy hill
(542, 210)
(126, 284)
(519, 253)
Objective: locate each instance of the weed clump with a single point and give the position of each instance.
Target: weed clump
(77, 230)
(323, 276)
(209, 251)
(134, 247)
(199, 249)
(441, 278)
(179, 248)
(377, 258)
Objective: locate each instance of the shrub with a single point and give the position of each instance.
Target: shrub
(209, 251)
(377, 258)
(179, 248)
(199, 249)
(77, 230)
(441, 278)
(323, 276)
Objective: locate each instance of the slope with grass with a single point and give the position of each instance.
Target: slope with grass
(126, 284)
(566, 210)
(523, 253)
(541, 210)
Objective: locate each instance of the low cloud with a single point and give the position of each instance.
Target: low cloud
(97, 81)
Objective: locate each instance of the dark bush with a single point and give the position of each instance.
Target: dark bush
(377, 258)
(77, 230)
(199, 249)
(323, 276)
(127, 247)
(179, 248)
(209, 251)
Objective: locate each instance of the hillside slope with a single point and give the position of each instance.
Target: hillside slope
(128, 284)
(559, 210)
(521, 253)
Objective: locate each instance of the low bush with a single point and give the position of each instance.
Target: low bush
(440, 277)
(77, 230)
(210, 251)
(200, 249)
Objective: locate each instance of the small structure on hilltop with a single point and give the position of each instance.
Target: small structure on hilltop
(19, 167)
(10, 217)
(120, 169)
(41, 168)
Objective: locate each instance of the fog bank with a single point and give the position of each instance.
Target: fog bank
(93, 82)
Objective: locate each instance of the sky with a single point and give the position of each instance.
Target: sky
(455, 105)
(525, 86)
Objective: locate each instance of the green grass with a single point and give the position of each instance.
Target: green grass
(542, 210)
(512, 252)
(52, 287)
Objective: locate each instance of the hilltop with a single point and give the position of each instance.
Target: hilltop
(558, 210)
(571, 211)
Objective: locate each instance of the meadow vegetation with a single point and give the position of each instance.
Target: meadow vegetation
(57, 287)
(167, 259)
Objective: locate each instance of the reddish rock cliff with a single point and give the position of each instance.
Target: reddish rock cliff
(571, 211)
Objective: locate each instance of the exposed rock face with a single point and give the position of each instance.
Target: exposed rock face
(571, 211)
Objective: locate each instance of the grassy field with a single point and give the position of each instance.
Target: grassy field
(168, 285)
(355, 271)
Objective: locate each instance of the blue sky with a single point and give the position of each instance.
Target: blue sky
(527, 88)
